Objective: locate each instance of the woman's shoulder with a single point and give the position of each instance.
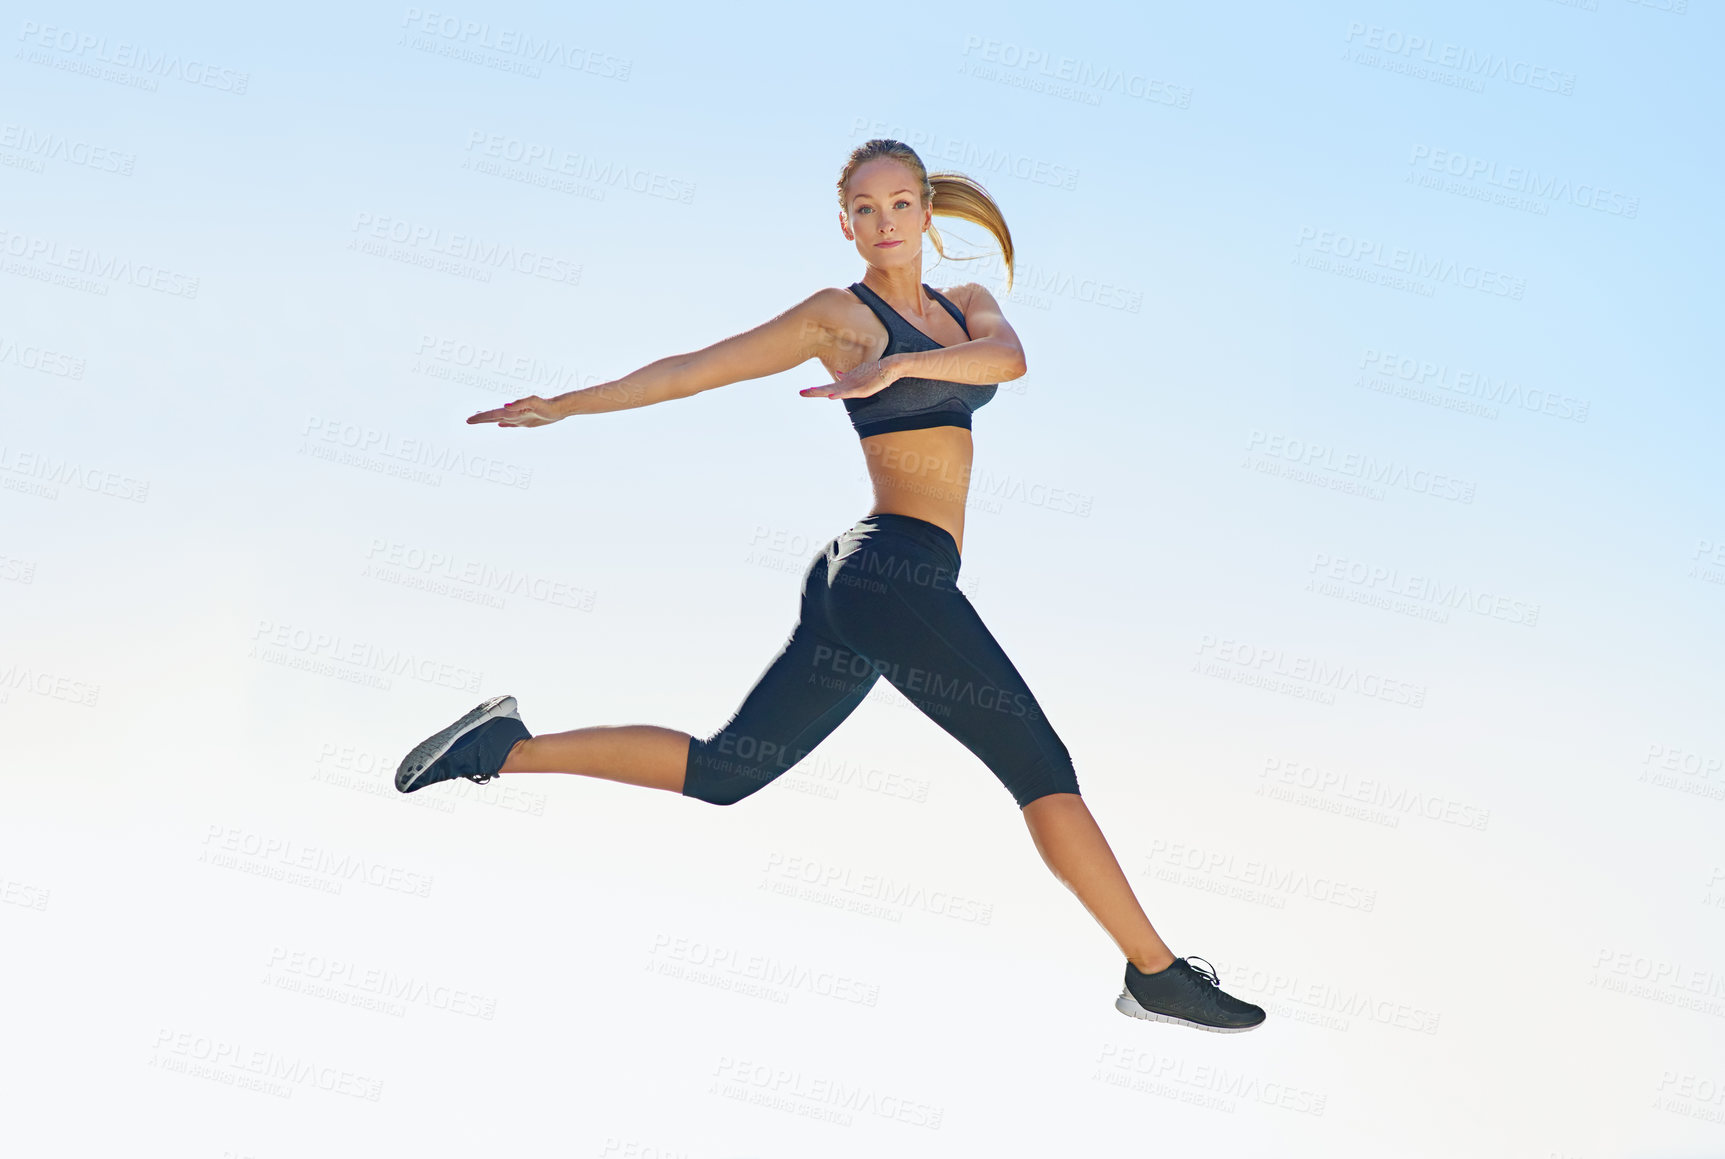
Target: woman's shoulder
(840, 296)
(963, 295)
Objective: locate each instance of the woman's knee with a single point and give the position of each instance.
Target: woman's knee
(726, 768)
(1043, 781)
(1050, 799)
(726, 792)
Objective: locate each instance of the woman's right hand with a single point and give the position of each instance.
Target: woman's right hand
(531, 411)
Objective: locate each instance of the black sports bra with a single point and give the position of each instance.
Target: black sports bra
(913, 403)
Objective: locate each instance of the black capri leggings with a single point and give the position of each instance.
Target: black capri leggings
(880, 600)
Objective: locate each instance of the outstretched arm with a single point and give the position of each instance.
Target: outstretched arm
(788, 340)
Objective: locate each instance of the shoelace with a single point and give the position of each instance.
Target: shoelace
(1209, 975)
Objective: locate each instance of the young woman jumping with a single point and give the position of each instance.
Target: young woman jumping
(911, 364)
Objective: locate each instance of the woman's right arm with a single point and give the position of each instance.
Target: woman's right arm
(788, 340)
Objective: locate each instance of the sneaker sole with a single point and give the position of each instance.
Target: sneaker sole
(1127, 1004)
(425, 754)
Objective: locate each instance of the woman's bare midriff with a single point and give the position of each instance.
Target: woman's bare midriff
(924, 474)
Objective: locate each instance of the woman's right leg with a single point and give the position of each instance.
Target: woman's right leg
(636, 754)
(803, 694)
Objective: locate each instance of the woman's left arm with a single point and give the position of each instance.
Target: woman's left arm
(993, 353)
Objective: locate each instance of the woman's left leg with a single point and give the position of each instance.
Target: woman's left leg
(1073, 848)
(895, 600)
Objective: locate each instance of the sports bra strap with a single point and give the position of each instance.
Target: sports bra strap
(889, 316)
(950, 309)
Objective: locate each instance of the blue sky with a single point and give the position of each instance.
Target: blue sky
(1371, 347)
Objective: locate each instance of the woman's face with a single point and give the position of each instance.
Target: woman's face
(886, 217)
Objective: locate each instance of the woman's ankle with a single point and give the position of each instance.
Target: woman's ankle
(510, 765)
(1152, 963)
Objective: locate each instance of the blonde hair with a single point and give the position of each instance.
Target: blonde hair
(947, 194)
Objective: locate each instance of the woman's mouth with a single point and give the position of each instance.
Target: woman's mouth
(878, 244)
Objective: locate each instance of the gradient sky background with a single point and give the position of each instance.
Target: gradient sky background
(197, 589)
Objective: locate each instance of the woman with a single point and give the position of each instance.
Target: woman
(879, 600)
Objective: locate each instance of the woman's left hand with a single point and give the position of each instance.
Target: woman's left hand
(861, 381)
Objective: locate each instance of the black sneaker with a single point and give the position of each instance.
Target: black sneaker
(1187, 995)
(474, 747)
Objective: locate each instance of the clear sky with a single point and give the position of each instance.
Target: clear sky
(1359, 524)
